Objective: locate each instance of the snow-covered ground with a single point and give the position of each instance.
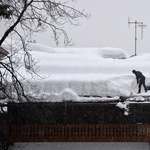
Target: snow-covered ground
(84, 146)
(73, 73)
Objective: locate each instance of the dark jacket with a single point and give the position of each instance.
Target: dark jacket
(139, 76)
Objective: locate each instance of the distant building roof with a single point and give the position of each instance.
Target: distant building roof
(3, 52)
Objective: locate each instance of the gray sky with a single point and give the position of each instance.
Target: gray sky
(108, 26)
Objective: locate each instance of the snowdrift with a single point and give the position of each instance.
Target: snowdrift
(85, 72)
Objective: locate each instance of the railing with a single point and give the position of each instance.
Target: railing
(79, 133)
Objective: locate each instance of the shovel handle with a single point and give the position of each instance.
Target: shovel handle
(135, 87)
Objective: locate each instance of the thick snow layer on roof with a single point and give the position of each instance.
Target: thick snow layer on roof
(72, 73)
(116, 53)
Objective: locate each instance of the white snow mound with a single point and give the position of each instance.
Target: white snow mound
(65, 95)
(72, 73)
(116, 53)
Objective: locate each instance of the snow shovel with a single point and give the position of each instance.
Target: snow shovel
(135, 86)
(131, 94)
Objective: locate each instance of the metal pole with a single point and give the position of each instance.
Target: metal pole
(136, 32)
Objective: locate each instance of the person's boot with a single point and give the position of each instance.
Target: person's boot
(139, 92)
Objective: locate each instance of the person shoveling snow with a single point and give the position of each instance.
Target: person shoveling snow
(140, 80)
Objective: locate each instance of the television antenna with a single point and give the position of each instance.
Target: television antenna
(140, 24)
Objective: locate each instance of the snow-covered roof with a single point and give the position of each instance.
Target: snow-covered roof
(86, 74)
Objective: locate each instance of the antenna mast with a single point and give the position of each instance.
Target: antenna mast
(139, 24)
